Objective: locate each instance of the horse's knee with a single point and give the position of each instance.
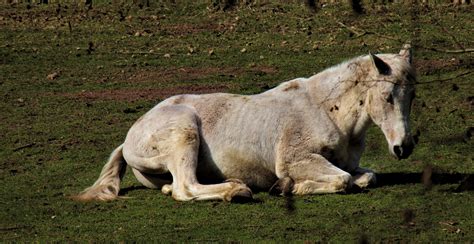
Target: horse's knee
(342, 182)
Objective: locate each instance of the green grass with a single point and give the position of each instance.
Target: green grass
(55, 137)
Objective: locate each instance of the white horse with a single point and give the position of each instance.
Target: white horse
(307, 131)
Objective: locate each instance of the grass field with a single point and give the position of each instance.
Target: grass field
(72, 81)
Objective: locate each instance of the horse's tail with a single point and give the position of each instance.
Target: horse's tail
(107, 186)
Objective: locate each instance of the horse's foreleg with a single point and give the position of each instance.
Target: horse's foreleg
(316, 175)
(364, 177)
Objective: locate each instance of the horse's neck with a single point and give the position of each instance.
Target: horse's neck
(343, 98)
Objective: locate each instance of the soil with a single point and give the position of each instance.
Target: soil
(193, 73)
(186, 28)
(168, 78)
(431, 66)
(150, 94)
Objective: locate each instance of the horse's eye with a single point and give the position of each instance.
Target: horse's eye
(390, 99)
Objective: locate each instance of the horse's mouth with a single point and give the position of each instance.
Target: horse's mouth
(403, 152)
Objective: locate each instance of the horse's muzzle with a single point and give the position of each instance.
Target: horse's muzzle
(405, 150)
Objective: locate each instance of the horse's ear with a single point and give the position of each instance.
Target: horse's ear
(406, 52)
(380, 65)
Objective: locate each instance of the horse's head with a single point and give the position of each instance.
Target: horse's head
(389, 99)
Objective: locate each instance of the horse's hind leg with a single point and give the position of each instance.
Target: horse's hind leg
(183, 164)
(166, 140)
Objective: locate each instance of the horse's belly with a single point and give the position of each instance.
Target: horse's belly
(228, 165)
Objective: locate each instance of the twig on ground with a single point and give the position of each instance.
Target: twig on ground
(453, 37)
(360, 32)
(466, 50)
(69, 26)
(353, 31)
(10, 228)
(445, 79)
(24, 146)
(455, 40)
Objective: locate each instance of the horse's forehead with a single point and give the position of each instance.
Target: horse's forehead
(403, 89)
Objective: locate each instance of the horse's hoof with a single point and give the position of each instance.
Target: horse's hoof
(167, 189)
(242, 196)
(365, 180)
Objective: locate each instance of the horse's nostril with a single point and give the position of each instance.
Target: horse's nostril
(398, 151)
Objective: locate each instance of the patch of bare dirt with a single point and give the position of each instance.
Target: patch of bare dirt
(151, 94)
(168, 77)
(192, 73)
(431, 66)
(187, 28)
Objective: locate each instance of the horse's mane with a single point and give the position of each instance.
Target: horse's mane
(358, 68)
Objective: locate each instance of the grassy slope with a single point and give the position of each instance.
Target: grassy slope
(54, 140)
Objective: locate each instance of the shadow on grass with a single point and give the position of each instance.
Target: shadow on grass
(465, 181)
(126, 190)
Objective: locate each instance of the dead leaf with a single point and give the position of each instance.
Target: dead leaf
(450, 226)
(52, 76)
